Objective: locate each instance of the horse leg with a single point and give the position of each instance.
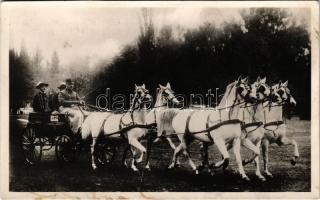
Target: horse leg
(286, 141)
(171, 143)
(204, 156)
(257, 163)
(178, 150)
(223, 150)
(149, 145)
(135, 143)
(185, 145)
(236, 150)
(265, 153)
(123, 160)
(133, 166)
(93, 164)
(249, 145)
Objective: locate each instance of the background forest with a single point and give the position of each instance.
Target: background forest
(269, 43)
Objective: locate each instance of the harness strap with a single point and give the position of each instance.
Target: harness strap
(131, 127)
(230, 121)
(246, 125)
(103, 123)
(125, 125)
(207, 127)
(188, 122)
(275, 123)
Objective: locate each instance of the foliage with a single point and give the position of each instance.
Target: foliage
(267, 43)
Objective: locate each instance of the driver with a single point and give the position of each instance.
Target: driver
(69, 102)
(41, 99)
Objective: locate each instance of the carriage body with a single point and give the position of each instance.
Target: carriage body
(43, 132)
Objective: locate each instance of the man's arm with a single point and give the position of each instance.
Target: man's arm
(64, 102)
(35, 103)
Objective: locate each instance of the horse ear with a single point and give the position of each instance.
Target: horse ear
(258, 79)
(239, 79)
(168, 85)
(143, 86)
(135, 85)
(264, 80)
(161, 86)
(245, 80)
(285, 84)
(280, 83)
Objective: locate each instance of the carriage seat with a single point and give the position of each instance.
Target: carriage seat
(39, 117)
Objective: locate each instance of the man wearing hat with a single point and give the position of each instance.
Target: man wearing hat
(68, 97)
(69, 101)
(41, 100)
(54, 98)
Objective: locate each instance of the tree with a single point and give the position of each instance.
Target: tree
(55, 64)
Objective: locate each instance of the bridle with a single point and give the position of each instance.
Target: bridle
(167, 99)
(139, 99)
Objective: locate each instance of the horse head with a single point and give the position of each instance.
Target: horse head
(141, 96)
(260, 89)
(282, 94)
(166, 95)
(243, 91)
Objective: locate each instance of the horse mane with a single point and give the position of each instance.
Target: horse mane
(229, 94)
(133, 103)
(158, 99)
(165, 119)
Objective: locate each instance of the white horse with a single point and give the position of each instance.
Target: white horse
(253, 119)
(111, 125)
(252, 131)
(275, 128)
(161, 115)
(220, 125)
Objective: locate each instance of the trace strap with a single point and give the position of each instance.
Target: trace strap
(275, 123)
(247, 125)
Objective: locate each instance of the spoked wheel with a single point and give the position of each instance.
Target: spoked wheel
(31, 146)
(104, 154)
(65, 151)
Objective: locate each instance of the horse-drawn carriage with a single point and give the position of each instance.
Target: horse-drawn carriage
(46, 131)
(260, 107)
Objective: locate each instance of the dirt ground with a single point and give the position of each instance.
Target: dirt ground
(51, 176)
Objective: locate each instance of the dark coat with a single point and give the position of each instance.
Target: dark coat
(41, 102)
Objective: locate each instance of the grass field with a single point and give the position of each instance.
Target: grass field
(50, 176)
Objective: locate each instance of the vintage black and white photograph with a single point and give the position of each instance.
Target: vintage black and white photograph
(159, 98)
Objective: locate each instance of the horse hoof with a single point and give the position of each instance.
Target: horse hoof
(294, 161)
(225, 163)
(245, 162)
(261, 178)
(170, 167)
(147, 168)
(245, 178)
(135, 170)
(269, 175)
(196, 172)
(200, 168)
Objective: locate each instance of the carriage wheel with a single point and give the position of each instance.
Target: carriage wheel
(65, 149)
(31, 146)
(104, 154)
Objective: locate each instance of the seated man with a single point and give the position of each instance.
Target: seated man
(54, 98)
(41, 99)
(69, 102)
